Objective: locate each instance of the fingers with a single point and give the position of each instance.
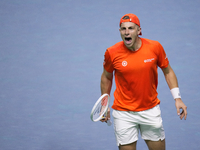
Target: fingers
(105, 119)
(178, 111)
(180, 105)
(183, 114)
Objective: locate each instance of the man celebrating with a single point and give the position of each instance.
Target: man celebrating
(134, 62)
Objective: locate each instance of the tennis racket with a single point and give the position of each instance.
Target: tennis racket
(100, 108)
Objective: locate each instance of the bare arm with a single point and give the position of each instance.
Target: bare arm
(106, 85)
(106, 82)
(172, 82)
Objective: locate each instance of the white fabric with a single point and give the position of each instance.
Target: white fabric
(175, 93)
(128, 124)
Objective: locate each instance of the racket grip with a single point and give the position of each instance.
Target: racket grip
(109, 123)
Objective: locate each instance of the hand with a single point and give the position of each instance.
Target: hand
(107, 116)
(180, 105)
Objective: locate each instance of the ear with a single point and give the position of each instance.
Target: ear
(139, 30)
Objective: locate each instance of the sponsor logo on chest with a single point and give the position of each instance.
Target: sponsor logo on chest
(148, 60)
(125, 63)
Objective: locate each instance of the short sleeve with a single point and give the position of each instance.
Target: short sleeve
(108, 65)
(162, 57)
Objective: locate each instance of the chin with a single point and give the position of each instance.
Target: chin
(128, 46)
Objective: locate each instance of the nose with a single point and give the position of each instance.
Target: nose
(126, 32)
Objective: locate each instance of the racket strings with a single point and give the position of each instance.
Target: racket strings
(104, 101)
(100, 109)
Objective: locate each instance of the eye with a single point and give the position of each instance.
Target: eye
(131, 28)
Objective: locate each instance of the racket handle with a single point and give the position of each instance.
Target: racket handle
(109, 123)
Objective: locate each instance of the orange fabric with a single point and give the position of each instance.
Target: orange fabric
(136, 74)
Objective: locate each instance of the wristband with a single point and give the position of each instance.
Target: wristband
(175, 93)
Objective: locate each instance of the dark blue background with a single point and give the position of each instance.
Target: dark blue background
(51, 56)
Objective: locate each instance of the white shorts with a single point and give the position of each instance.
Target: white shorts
(127, 125)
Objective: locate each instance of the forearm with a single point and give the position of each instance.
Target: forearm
(106, 83)
(173, 85)
(171, 80)
(170, 77)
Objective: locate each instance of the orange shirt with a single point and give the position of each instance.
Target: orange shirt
(136, 75)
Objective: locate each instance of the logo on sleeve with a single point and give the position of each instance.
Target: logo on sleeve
(124, 63)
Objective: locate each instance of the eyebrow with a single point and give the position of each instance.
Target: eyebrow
(128, 27)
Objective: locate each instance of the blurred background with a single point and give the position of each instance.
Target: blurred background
(51, 60)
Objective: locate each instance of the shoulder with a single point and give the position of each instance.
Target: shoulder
(150, 42)
(115, 51)
(116, 47)
(152, 45)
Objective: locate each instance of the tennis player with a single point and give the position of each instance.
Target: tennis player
(134, 62)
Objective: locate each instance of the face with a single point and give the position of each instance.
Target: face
(129, 33)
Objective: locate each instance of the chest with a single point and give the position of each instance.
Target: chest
(135, 62)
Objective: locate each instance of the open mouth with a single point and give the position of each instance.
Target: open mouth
(128, 40)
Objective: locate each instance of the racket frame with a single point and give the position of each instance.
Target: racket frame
(104, 113)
